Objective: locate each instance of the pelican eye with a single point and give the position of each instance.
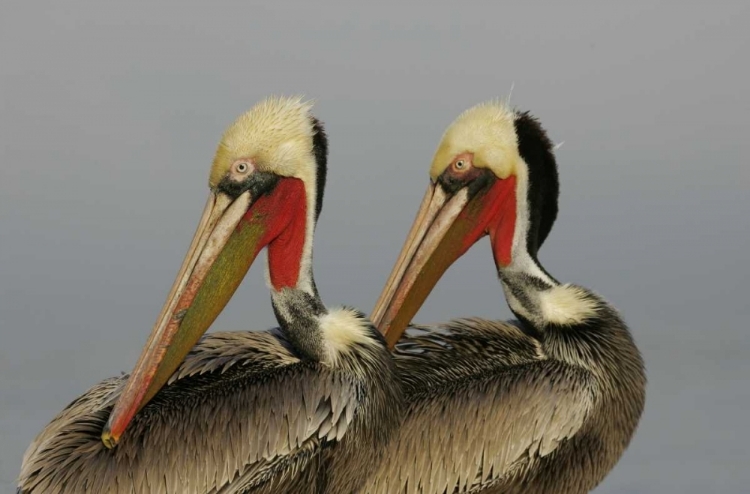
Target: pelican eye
(462, 165)
(242, 167)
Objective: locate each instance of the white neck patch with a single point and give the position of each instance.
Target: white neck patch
(342, 329)
(566, 305)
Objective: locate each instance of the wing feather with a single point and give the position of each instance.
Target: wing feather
(484, 403)
(236, 411)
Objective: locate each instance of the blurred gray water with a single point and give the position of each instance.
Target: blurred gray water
(110, 114)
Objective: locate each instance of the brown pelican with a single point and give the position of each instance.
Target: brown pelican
(307, 407)
(547, 404)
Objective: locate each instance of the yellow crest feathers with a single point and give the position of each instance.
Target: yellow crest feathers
(488, 131)
(276, 134)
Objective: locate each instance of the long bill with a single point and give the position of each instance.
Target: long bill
(447, 225)
(219, 256)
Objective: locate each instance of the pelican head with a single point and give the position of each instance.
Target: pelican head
(493, 174)
(266, 186)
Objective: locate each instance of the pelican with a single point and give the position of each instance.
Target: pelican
(545, 404)
(306, 407)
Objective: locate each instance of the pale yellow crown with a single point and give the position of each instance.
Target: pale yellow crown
(487, 130)
(276, 134)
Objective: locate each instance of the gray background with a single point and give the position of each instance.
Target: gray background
(110, 114)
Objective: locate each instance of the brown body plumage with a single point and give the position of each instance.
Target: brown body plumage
(305, 408)
(491, 409)
(242, 414)
(543, 405)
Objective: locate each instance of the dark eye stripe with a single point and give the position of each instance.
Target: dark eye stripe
(258, 183)
(474, 178)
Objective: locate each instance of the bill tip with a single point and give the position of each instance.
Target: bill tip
(108, 438)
